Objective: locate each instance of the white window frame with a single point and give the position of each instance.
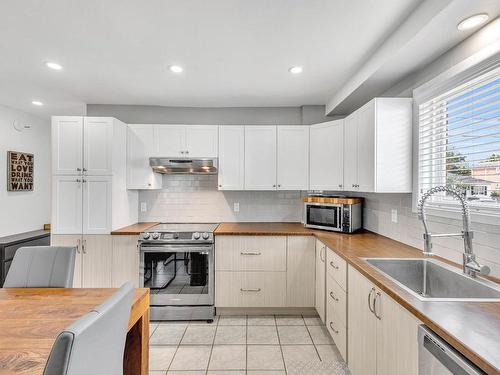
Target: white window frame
(475, 65)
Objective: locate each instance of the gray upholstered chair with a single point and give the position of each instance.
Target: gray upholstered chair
(42, 267)
(95, 343)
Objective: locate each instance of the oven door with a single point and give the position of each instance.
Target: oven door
(178, 275)
(323, 216)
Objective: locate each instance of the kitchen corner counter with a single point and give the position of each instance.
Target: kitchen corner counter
(472, 328)
(134, 229)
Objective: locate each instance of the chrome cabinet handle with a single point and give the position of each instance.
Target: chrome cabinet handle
(84, 180)
(250, 253)
(334, 266)
(375, 306)
(187, 152)
(279, 185)
(333, 297)
(78, 169)
(340, 185)
(369, 300)
(78, 180)
(333, 329)
(84, 169)
(274, 185)
(78, 246)
(84, 245)
(322, 254)
(220, 185)
(250, 290)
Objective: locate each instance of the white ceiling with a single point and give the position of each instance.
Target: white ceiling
(234, 52)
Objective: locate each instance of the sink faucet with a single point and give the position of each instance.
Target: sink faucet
(470, 266)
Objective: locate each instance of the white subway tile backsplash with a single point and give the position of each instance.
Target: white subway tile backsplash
(187, 198)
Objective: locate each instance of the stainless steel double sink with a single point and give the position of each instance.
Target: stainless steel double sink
(432, 280)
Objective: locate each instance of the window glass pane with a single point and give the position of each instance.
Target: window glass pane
(459, 141)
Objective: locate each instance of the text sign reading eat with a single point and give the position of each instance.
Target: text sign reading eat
(20, 171)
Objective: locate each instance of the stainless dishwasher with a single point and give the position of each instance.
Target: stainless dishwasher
(436, 357)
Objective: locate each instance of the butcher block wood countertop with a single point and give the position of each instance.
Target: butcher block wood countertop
(134, 229)
(473, 328)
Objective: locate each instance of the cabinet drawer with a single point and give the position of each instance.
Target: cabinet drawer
(337, 298)
(337, 330)
(250, 253)
(337, 268)
(250, 289)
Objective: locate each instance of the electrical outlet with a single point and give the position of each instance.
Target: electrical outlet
(236, 207)
(144, 206)
(394, 216)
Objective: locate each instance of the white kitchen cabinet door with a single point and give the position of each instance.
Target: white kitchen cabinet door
(202, 141)
(67, 145)
(397, 338)
(362, 326)
(67, 204)
(231, 157)
(74, 240)
(300, 279)
(170, 140)
(326, 156)
(125, 262)
(293, 157)
(96, 204)
(97, 253)
(366, 148)
(320, 300)
(351, 152)
(140, 148)
(260, 157)
(97, 146)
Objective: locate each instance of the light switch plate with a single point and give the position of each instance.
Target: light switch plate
(394, 216)
(144, 206)
(236, 206)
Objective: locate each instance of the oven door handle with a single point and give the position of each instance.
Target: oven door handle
(176, 248)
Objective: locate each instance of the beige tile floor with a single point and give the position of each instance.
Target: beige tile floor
(238, 345)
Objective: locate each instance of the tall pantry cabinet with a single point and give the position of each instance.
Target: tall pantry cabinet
(89, 195)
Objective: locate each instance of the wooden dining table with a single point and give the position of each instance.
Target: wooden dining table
(31, 319)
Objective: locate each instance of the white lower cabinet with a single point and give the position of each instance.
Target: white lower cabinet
(382, 335)
(125, 261)
(102, 261)
(320, 280)
(264, 271)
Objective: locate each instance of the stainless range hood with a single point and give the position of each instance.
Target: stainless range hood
(174, 165)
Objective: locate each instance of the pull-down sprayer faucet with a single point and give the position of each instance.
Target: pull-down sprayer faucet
(470, 266)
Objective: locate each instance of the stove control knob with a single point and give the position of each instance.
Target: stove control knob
(156, 235)
(146, 236)
(205, 235)
(196, 235)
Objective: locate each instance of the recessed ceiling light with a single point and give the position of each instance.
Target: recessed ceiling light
(295, 69)
(176, 68)
(472, 21)
(37, 102)
(53, 65)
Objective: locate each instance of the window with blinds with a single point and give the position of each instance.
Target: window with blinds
(459, 141)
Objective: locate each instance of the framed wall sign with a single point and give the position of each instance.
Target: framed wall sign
(19, 171)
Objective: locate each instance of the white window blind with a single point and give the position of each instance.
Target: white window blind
(459, 141)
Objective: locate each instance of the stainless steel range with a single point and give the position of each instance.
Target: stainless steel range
(177, 264)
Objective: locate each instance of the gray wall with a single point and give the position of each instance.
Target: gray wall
(137, 114)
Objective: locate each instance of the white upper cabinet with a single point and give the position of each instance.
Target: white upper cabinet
(170, 140)
(231, 157)
(378, 147)
(186, 141)
(97, 204)
(140, 140)
(202, 141)
(67, 200)
(67, 145)
(327, 156)
(293, 157)
(260, 157)
(89, 176)
(97, 138)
